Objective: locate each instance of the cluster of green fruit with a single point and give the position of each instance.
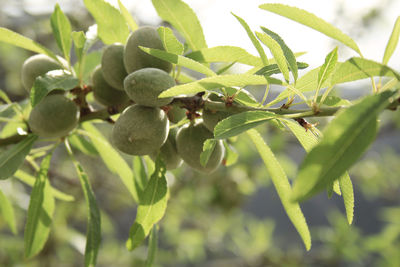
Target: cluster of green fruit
(126, 75)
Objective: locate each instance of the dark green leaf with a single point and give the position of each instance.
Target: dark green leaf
(52, 80)
(239, 123)
(140, 175)
(170, 42)
(152, 250)
(7, 210)
(182, 18)
(282, 187)
(62, 31)
(40, 212)
(151, 208)
(112, 27)
(345, 140)
(208, 149)
(11, 159)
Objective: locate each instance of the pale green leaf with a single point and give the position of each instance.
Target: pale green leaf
(182, 18)
(128, 17)
(231, 155)
(30, 180)
(170, 42)
(13, 38)
(83, 145)
(52, 80)
(139, 175)
(346, 187)
(219, 81)
(334, 101)
(242, 96)
(239, 123)
(179, 60)
(225, 54)
(327, 68)
(7, 211)
(62, 31)
(290, 57)
(40, 212)
(113, 160)
(392, 43)
(253, 39)
(151, 208)
(112, 27)
(308, 19)
(152, 248)
(276, 51)
(12, 158)
(208, 149)
(345, 140)
(274, 69)
(282, 186)
(359, 68)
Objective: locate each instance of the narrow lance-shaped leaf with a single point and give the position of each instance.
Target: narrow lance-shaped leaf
(327, 68)
(151, 208)
(153, 244)
(277, 52)
(345, 140)
(179, 60)
(170, 42)
(208, 148)
(239, 123)
(139, 175)
(182, 18)
(274, 69)
(253, 39)
(392, 43)
(128, 17)
(289, 55)
(11, 159)
(52, 80)
(7, 211)
(216, 82)
(112, 27)
(83, 145)
(308, 19)
(282, 186)
(40, 212)
(13, 38)
(231, 156)
(62, 31)
(308, 140)
(93, 231)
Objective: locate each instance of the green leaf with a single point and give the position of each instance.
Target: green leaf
(52, 80)
(327, 68)
(344, 141)
(276, 51)
(128, 17)
(208, 149)
(113, 160)
(112, 27)
(346, 187)
(239, 123)
(253, 39)
(312, 21)
(140, 175)
(7, 210)
(231, 155)
(242, 96)
(334, 101)
(359, 68)
(225, 54)
(392, 43)
(30, 180)
(274, 69)
(13, 38)
(62, 31)
(11, 159)
(179, 60)
(93, 231)
(282, 186)
(290, 57)
(151, 208)
(170, 42)
(82, 145)
(219, 81)
(182, 18)
(152, 250)
(40, 212)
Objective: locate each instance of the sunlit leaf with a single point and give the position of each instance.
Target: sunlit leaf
(328, 67)
(153, 244)
(231, 155)
(128, 17)
(274, 69)
(140, 175)
(61, 30)
(170, 42)
(392, 42)
(346, 187)
(7, 211)
(208, 149)
(83, 145)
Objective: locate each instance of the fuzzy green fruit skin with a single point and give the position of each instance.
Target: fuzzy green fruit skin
(112, 65)
(211, 118)
(140, 130)
(176, 114)
(168, 151)
(104, 93)
(54, 116)
(135, 58)
(189, 142)
(36, 66)
(145, 85)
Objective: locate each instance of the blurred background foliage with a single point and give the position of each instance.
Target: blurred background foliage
(232, 217)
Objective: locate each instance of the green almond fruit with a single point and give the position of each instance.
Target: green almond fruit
(112, 65)
(168, 152)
